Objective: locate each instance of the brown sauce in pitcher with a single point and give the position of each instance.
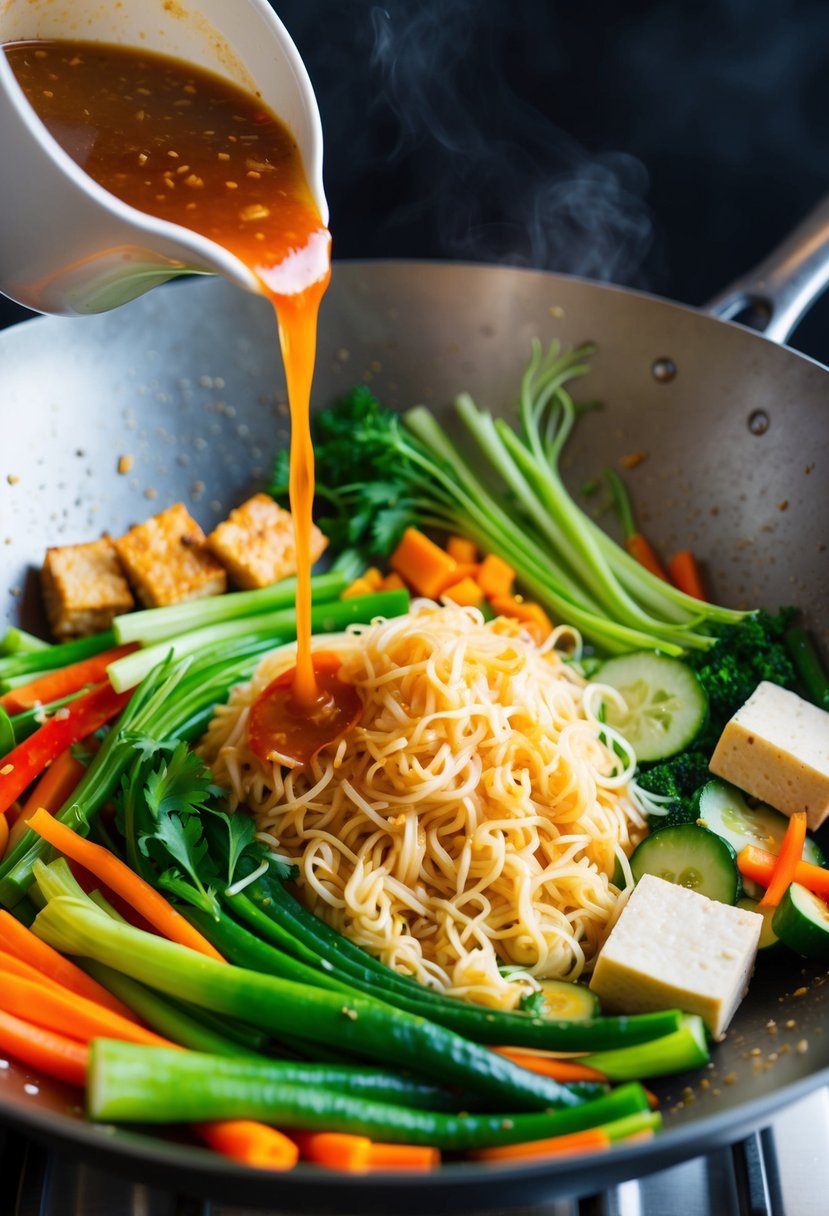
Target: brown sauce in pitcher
(188, 146)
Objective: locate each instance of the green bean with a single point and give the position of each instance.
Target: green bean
(153, 1084)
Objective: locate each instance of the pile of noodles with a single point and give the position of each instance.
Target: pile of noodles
(473, 818)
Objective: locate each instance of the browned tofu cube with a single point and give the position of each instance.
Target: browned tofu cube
(256, 543)
(166, 559)
(84, 588)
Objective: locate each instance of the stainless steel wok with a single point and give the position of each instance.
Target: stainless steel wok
(735, 433)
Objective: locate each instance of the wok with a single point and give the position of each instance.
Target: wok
(734, 431)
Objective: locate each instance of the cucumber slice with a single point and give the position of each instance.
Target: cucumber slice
(666, 706)
(802, 922)
(768, 937)
(565, 999)
(690, 856)
(723, 808)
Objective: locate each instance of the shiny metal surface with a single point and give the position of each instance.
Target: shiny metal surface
(186, 382)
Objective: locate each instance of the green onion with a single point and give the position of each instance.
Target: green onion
(278, 626)
(18, 641)
(681, 1051)
(156, 624)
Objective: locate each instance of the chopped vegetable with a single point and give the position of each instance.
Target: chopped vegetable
(250, 1143)
(20, 941)
(791, 851)
(422, 564)
(51, 791)
(758, 865)
(58, 1009)
(663, 708)
(157, 624)
(48, 1051)
(685, 574)
(801, 921)
(28, 759)
(62, 681)
(275, 626)
(690, 856)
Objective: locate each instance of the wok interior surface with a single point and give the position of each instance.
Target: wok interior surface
(187, 383)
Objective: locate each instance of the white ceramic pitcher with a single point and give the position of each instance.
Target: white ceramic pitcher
(69, 247)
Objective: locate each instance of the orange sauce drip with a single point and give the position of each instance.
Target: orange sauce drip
(188, 146)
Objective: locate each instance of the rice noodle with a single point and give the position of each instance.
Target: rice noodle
(472, 818)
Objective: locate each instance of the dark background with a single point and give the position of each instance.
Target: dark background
(665, 145)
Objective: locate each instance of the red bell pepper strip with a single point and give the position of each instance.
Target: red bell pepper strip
(74, 722)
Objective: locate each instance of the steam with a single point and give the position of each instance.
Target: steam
(495, 175)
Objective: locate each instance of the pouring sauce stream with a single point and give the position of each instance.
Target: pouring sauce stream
(185, 145)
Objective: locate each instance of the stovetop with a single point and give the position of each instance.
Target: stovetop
(782, 1170)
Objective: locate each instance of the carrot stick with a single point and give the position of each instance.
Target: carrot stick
(51, 791)
(16, 939)
(418, 1157)
(686, 575)
(64, 680)
(10, 964)
(59, 1009)
(758, 865)
(251, 1143)
(123, 881)
(791, 850)
(5, 833)
(635, 542)
(334, 1150)
(82, 717)
(640, 547)
(589, 1140)
(549, 1066)
(48, 1052)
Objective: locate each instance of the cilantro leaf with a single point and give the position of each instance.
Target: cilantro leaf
(183, 783)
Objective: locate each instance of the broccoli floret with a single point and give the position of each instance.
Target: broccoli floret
(746, 653)
(677, 779)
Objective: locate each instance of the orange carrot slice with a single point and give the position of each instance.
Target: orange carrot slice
(334, 1150)
(758, 865)
(60, 1010)
(51, 791)
(251, 1143)
(53, 685)
(791, 850)
(686, 575)
(47, 1051)
(550, 1066)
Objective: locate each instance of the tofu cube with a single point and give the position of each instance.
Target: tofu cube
(776, 747)
(84, 588)
(167, 560)
(672, 948)
(256, 543)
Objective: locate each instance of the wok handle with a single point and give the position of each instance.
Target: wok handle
(774, 296)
